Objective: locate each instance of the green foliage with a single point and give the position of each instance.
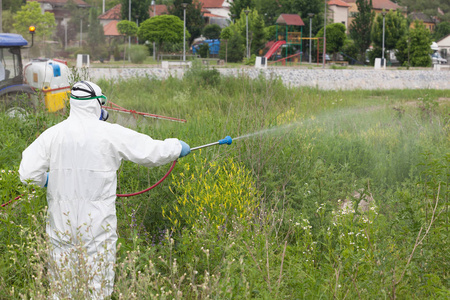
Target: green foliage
(96, 36)
(212, 31)
(138, 53)
(256, 32)
(361, 26)
(226, 33)
(335, 37)
(395, 28)
(347, 194)
(250, 61)
(414, 48)
(7, 21)
(12, 5)
(197, 75)
(194, 18)
(208, 189)
(31, 14)
(235, 48)
(441, 30)
(350, 49)
(127, 28)
(238, 6)
(139, 10)
(203, 50)
(439, 8)
(162, 29)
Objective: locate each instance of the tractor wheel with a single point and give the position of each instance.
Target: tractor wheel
(17, 104)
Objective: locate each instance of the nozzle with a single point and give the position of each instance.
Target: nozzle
(227, 140)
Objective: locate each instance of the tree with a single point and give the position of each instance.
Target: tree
(360, 27)
(162, 29)
(96, 36)
(13, 5)
(31, 14)
(438, 8)
(414, 48)
(238, 6)
(335, 37)
(256, 32)
(212, 31)
(128, 29)
(270, 10)
(139, 10)
(194, 19)
(441, 31)
(237, 47)
(395, 27)
(225, 35)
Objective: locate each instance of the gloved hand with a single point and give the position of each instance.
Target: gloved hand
(185, 149)
(46, 182)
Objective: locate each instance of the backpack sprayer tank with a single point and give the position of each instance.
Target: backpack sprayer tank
(52, 78)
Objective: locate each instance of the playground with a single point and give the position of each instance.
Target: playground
(291, 46)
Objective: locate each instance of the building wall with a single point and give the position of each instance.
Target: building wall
(339, 14)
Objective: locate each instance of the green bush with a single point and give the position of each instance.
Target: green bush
(219, 191)
(203, 50)
(138, 53)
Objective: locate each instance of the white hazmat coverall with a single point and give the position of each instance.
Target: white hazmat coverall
(82, 155)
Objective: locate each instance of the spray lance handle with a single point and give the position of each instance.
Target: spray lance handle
(227, 140)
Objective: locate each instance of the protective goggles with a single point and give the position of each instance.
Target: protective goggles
(101, 99)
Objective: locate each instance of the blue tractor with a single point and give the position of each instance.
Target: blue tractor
(13, 91)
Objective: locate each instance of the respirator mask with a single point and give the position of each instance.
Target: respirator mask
(85, 90)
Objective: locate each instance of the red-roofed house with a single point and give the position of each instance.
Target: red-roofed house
(160, 9)
(377, 6)
(338, 11)
(216, 11)
(110, 15)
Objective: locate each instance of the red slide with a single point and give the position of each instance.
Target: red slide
(274, 48)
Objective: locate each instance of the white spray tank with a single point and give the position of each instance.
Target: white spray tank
(52, 78)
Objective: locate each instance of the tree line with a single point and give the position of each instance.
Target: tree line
(411, 45)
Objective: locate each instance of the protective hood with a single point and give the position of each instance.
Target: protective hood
(85, 109)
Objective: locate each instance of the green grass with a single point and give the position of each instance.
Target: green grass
(307, 152)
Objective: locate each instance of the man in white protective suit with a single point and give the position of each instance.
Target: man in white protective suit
(78, 159)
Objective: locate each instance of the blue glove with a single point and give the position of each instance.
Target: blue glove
(46, 182)
(185, 149)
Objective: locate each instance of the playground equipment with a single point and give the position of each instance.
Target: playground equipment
(289, 44)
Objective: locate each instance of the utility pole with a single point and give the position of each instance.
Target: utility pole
(324, 34)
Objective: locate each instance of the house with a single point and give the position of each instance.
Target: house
(216, 12)
(429, 22)
(160, 9)
(111, 17)
(377, 7)
(109, 20)
(338, 11)
(444, 47)
(58, 8)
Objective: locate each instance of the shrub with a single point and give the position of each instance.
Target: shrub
(203, 50)
(138, 54)
(217, 191)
